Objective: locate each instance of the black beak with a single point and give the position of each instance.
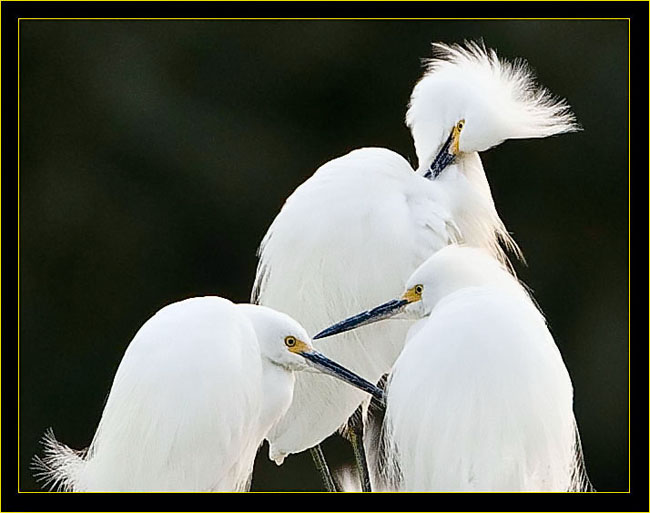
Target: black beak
(443, 159)
(323, 364)
(378, 313)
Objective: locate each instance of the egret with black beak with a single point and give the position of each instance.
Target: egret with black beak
(480, 398)
(198, 389)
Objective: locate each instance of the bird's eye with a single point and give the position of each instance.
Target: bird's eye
(419, 289)
(460, 124)
(290, 341)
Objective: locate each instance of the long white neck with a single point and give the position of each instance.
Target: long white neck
(466, 192)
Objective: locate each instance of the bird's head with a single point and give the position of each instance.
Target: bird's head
(448, 270)
(469, 100)
(285, 343)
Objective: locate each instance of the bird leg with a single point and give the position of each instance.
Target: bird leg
(321, 464)
(355, 434)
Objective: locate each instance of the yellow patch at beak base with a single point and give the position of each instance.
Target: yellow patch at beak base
(411, 295)
(455, 137)
(300, 347)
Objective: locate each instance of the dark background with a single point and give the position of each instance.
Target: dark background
(154, 155)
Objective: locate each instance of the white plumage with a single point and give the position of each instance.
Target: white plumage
(480, 398)
(196, 392)
(353, 233)
(498, 100)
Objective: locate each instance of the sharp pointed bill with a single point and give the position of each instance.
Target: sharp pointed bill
(388, 309)
(323, 364)
(384, 311)
(447, 153)
(327, 366)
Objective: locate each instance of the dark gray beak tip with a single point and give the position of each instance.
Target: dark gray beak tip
(325, 333)
(378, 313)
(327, 366)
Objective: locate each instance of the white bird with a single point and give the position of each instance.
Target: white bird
(196, 392)
(353, 233)
(480, 398)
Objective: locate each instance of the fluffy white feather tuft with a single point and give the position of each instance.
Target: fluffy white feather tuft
(60, 465)
(498, 100)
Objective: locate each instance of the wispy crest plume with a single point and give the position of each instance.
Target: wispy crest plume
(519, 107)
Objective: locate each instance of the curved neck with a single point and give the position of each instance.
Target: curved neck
(472, 167)
(467, 194)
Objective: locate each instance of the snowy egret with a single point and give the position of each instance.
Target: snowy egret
(353, 233)
(480, 398)
(196, 392)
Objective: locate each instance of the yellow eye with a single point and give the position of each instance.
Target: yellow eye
(290, 341)
(460, 124)
(419, 289)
